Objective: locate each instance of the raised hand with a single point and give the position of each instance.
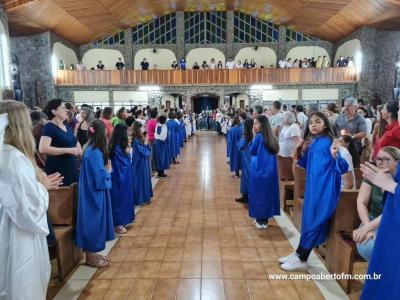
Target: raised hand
(335, 147)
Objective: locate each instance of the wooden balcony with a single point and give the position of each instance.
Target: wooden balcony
(204, 77)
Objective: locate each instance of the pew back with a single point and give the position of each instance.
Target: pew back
(285, 171)
(62, 205)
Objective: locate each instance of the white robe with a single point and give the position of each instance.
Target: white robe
(24, 257)
(188, 127)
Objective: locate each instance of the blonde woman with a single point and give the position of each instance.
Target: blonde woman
(24, 259)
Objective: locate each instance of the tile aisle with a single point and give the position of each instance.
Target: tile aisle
(194, 242)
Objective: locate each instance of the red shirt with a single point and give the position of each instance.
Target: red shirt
(391, 137)
(109, 127)
(151, 128)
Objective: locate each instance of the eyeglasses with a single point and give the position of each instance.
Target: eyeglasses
(381, 159)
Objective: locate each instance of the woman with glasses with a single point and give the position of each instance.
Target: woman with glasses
(369, 203)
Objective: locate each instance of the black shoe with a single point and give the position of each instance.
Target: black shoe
(242, 200)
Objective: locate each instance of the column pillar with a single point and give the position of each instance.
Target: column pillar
(282, 43)
(111, 99)
(230, 52)
(180, 35)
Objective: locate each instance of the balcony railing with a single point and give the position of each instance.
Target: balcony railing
(203, 77)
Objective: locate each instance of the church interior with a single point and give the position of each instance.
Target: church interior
(211, 149)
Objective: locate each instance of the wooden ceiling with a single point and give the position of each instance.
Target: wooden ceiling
(82, 21)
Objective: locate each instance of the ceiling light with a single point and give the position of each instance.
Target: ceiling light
(149, 88)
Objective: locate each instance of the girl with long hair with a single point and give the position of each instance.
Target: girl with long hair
(234, 135)
(264, 181)
(142, 189)
(161, 149)
(324, 168)
(81, 131)
(24, 257)
(94, 219)
(243, 147)
(122, 184)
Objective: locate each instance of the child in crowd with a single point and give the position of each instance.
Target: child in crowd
(94, 220)
(243, 147)
(324, 167)
(122, 183)
(172, 139)
(161, 149)
(234, 135)
(264, 181)
(142, 188)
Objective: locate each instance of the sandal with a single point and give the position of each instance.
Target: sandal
(120, 229)
(98, 263)
(104, 257)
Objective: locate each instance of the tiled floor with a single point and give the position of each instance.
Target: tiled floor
(195, 242)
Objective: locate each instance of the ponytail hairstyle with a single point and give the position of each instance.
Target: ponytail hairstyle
(119, 137)
(248, 130)
(98, 138)
(270, 140)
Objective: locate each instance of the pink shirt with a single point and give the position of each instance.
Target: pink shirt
(151, 128)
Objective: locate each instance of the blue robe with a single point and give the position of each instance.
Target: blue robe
(142, 189)
(161, 152)
(322, 192)
(246, 160)
(182, 133)
(94, 225)
(264, 181)
(123, 203)
(386, 251)
(172, 139)
(234, 135)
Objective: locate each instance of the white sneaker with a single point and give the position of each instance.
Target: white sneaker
(261, 226)
(288, 258)
(294, 265)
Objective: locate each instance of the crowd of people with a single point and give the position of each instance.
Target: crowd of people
(328, 143)
(113, 157)
(230, 64)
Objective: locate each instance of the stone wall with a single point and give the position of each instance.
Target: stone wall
(34, 59)
(67, 93)
(380, 52)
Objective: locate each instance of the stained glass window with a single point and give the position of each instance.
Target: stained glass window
(205, 27)
(293, 36)
(248, 29)
(158, 31)
(116, 39)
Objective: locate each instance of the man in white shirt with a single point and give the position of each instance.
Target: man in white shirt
(282, 63)
(277, 117)
(230, 64)
(301, 116)
(289, 63)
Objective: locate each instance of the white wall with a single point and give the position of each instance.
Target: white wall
(92, 98)
(5, 76)
(169, 98)
(136, 97)
(107, 56)
(351, 48)
(64, 53)
(263, 56)
(320, 94)
(284, 95)
(204, 54)
(163, 58)
(301, 52)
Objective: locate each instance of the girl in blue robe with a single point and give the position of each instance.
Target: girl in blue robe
(324, 168)
(234, 135)
(123, 204)
(182, 130)
(94, 216)
(243, 147)
(264, 181)
(384, 261)
(173, 130)
(161, 149)
(142, 189)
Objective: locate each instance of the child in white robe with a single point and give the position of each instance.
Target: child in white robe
(24, 257)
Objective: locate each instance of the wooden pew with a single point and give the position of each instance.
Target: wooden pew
(286, 182)
(299, 189)
(340, 248)
(62, 214)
